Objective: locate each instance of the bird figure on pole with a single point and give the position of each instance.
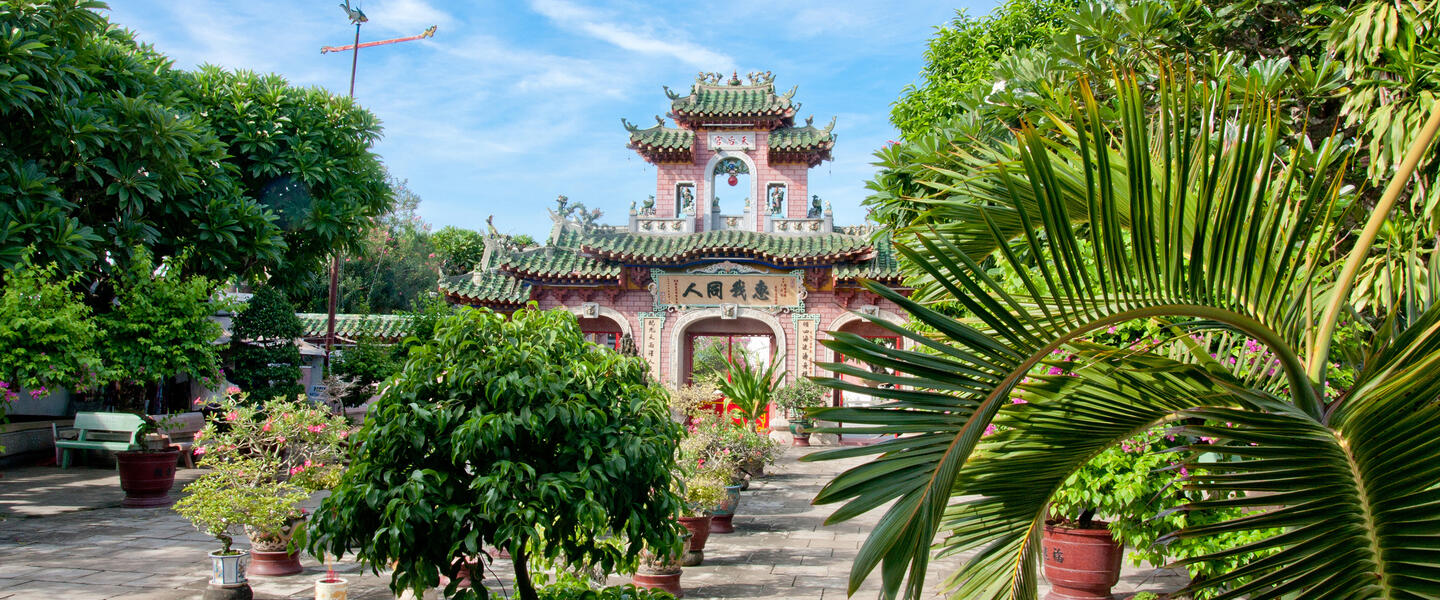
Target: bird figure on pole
(356, 15)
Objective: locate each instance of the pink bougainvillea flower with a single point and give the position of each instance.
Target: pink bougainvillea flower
(232, 390)
(232, 415)
(198, 449)
(280, 439)
(1056, 371)
(296, 470)
(991, 428)
(1018, 401)
(344, 434)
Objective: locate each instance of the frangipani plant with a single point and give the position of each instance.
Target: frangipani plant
(1195, 217)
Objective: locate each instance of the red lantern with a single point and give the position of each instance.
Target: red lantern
(734, 180)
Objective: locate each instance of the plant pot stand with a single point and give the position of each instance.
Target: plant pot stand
(147, 477)
(220, 592)
(722, 524)
(1080, 564)
(699, 528)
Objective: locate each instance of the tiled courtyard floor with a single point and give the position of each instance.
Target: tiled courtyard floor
(67, 539)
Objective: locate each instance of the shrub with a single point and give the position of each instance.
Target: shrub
(570, 587)
(47, 335)
(267, 362)
(508, 432)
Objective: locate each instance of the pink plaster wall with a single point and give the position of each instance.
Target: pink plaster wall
(794, 175)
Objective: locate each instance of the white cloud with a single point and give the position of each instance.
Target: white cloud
(593, 24)
(404, 16)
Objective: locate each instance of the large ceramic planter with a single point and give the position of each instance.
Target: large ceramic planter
(800, 432)
(725, 511)
(270, 551)
(660, 572)
(227, 577)
(147, 477)
(699, 528)
(1080, 564)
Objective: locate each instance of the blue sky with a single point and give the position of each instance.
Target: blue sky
(514, 102)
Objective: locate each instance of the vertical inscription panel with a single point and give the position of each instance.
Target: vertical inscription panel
(806, 326)
(651, 325)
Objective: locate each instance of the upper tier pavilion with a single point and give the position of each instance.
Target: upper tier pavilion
(731, 256)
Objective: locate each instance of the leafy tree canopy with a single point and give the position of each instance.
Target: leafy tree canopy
(108, 148)
(508, 432)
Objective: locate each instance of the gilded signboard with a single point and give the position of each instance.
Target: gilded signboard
(751, 290)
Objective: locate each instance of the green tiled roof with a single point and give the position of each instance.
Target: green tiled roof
(352, 326)
(776, 249)
(733, 101)
(882, 267)
(800, 139)
(558, 263)
(487, 287)
(661, 137)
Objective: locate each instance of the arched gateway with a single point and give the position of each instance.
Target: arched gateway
(732, 254)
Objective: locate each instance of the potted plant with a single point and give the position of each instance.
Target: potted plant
(751, 388)
(661, 569)
(703, 488)
(292, 444)
(794, 400)
(159, 325)
(220, 504)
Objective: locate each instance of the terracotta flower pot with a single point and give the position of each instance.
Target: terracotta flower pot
(660, 572)
(270, 554)
(147, 477)
(725, 511)
(1080, 564)
(699, 528)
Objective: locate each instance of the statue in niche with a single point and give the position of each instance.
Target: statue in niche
(648, 209)
(777, 199)
(685, 200)
(815, 209)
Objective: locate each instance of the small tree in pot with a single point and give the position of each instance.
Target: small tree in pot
(220, 504)
(494, 430)
(795, 399)
(285, 448)
(158, 326)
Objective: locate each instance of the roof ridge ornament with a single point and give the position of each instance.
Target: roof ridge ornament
(709, 78)
(671, 94)
(734, 78)
(790, 94)
(760, 77)
(660, 120)
(831, 126)
(810, 121)
(630, 127)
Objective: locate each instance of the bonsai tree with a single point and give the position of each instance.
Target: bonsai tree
(270, 457)
(798, 397)
(266, 360)
(496, 430)
(158, 326)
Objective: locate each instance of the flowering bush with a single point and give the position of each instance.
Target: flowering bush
(47, 335)
(265, 461)
(716, 440)
(798, 396)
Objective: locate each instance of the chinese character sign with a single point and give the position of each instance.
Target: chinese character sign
(743, 289)
(731, 140)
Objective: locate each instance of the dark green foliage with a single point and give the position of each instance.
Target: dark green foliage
(158, 327)
(266, 360)
(366, 364)
(571, 588)
(459, 249)
(513, 433)
(960, 60)
(106, 148)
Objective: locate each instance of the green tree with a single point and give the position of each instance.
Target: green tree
(460, 250)
(1199, 217)
(48, 336)
(266, 360)
(158, 327)
(514, 433)
(107, 148)
(960, 60)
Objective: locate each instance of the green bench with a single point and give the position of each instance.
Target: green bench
(98, 431)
